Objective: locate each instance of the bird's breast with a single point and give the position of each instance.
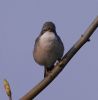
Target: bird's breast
(48, 50)
(47, 40)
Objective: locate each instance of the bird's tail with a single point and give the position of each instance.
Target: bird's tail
(47, 70)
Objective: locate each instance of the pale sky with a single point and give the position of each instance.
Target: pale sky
(20, 24)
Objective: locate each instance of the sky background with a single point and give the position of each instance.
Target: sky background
(20, 24)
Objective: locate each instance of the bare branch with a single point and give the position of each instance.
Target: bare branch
(67, 57)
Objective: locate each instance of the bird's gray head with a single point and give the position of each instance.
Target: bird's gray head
(48, 26)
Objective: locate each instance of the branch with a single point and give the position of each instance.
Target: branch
(59, 67)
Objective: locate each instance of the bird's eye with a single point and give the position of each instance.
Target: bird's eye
(44, 30)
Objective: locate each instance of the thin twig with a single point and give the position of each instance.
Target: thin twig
(58, 68)
(10, 98)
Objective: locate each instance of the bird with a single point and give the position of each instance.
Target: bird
(48, 47)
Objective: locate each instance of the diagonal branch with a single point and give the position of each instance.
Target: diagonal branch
(59, 67)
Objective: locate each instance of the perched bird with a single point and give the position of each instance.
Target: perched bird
(48, 47)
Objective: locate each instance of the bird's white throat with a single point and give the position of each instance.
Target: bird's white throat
(48, 36)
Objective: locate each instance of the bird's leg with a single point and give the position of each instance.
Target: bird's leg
(47, 71)
(58, 61)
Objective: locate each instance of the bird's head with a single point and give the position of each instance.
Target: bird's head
(48, 26)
